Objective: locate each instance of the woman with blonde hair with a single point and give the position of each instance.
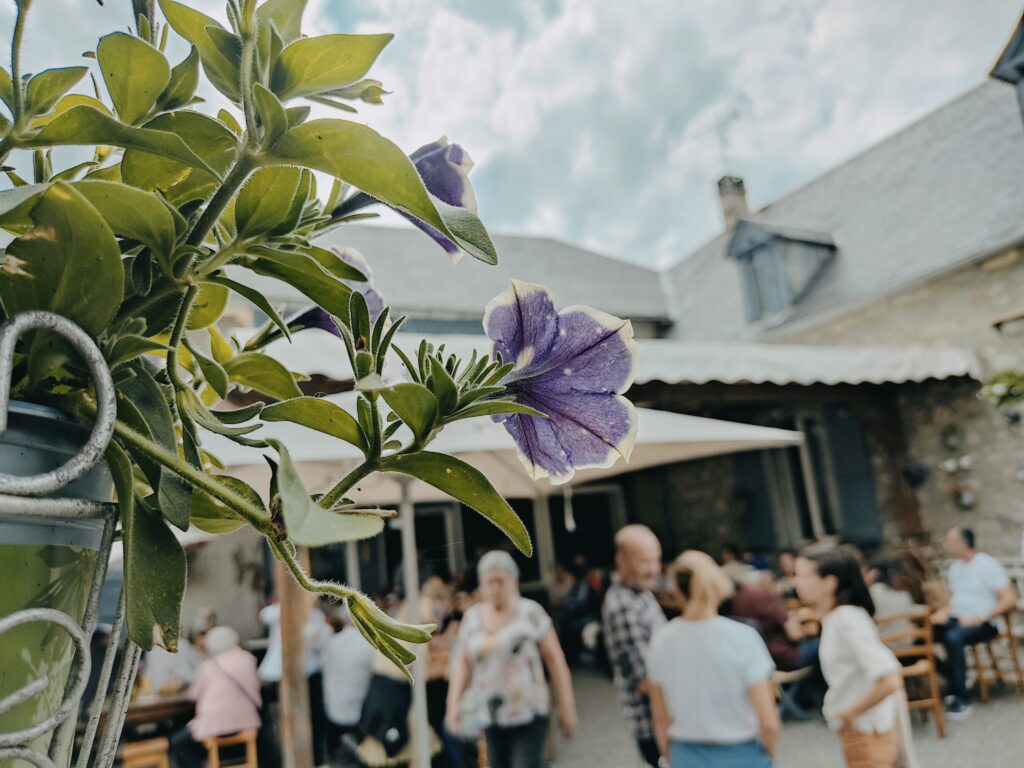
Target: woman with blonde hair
(709, 677)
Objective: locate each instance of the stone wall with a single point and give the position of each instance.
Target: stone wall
(688, 505)
(936, 413)
(955, 311)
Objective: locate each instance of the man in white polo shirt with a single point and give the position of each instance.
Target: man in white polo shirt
(979, 591)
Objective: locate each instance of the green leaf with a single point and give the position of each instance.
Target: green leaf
(84, 124)
(154, 579)
(210, 303)
(16, 205)
(131, 346)
(443, 387)
(333, 263)
(308, 524)
(297, 116)
(495, 408)
(181, 88)
(154, 563)
(132, 213)
(213, 372)
(465, 484)
(205, 137)
(135, 73)
(66, 103)
(69, 262)
(45, 89)
(316, 64)
(318, 414)
(220, 348)
(191, 406)
(262, 373)
(415, 405)
(206, 35)
(7, 89)
(256, 298)
(303, 273)
(286, 16)
(272, 115)
(229, 120)
(362, 157)
(239, 415)
(148, 399)
(212, 515)
(265, 200)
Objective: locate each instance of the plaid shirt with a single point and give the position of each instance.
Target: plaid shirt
(630, 615)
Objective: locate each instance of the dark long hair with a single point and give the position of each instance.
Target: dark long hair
(844, 564)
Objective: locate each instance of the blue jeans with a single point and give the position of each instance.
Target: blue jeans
(956, 639)
(747, 754)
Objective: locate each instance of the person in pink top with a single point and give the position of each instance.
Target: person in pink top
(227, 696)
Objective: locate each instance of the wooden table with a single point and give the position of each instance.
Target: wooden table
(157, 708)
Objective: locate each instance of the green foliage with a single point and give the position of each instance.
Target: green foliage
(132, 241)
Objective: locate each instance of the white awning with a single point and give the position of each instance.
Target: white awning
(662, 438)
(688, 362)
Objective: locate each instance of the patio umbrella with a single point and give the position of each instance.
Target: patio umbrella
(662, 438)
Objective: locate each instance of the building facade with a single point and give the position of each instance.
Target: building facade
(859, 309)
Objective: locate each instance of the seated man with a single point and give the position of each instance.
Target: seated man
(979, 591)
(890, 601)
(757, 603)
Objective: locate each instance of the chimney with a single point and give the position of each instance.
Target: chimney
(733, 195)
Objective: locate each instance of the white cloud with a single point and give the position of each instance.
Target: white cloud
(589, 119)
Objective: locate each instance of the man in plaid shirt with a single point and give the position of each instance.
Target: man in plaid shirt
(630, 615)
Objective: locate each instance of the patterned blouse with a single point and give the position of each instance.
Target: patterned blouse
(507, 687)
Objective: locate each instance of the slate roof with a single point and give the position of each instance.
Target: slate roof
(937, 195)
(418, 278)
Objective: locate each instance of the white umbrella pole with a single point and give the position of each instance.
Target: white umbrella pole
(411, 573)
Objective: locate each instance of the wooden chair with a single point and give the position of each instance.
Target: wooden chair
(909, 636)
(1001, 666)
(151, 753)
(217, 743)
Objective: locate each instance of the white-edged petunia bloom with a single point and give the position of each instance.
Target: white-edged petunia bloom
(573, 365)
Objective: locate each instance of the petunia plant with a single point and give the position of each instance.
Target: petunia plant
(138, 211)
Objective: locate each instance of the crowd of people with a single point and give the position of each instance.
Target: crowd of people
(697, 689)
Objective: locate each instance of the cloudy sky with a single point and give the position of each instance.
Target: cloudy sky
(594, 121)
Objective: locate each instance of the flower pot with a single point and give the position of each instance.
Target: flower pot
(44, 563)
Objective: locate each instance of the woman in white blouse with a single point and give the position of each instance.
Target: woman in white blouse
(865, 702)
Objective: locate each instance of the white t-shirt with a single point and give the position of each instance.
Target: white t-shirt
(315, 633)
(973, 585)
(852, 660)
(704, 669)
(348, 667)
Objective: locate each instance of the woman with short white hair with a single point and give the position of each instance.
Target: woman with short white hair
(227, 696)
(497, 679)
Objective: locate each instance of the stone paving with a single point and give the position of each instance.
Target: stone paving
(992, 738)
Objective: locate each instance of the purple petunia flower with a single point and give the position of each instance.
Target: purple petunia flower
(314, 317)
(444, 169)
(573, 366)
